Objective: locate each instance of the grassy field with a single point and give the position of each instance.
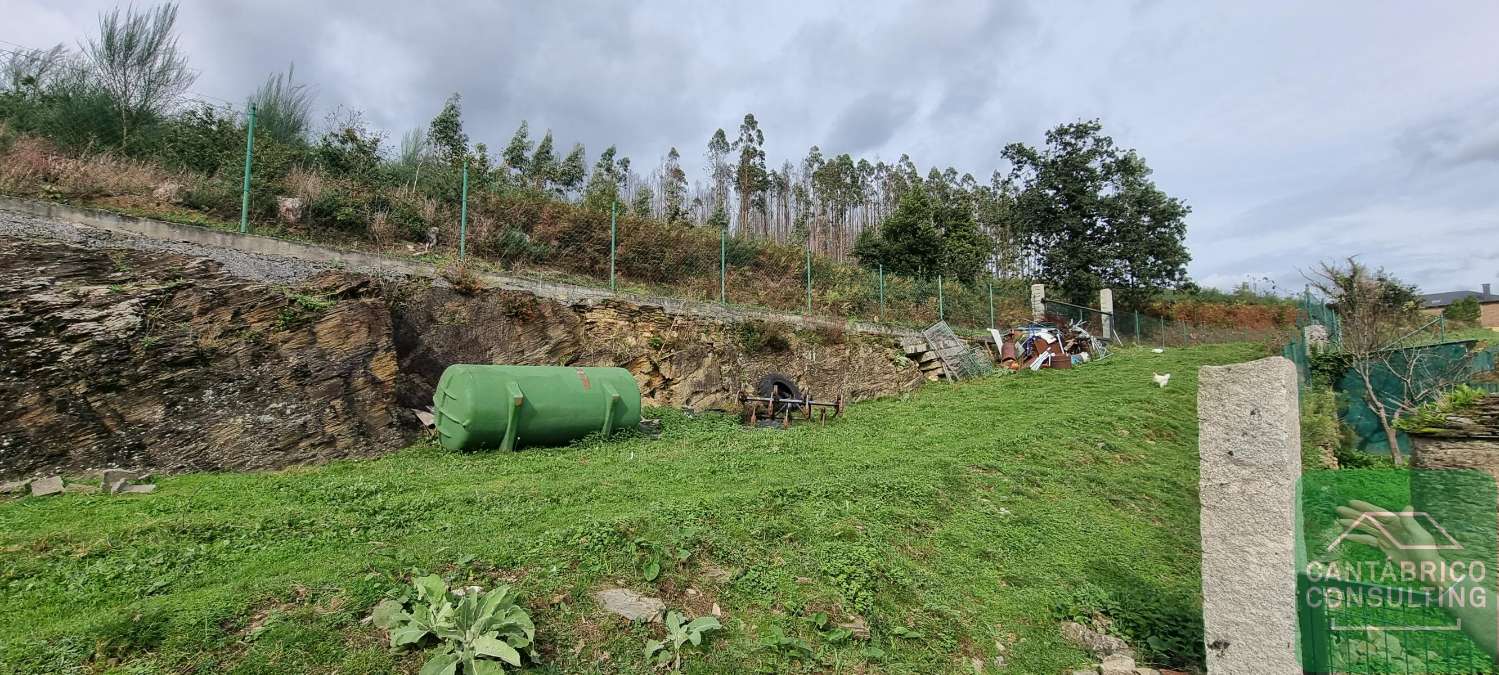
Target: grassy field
(960, 522)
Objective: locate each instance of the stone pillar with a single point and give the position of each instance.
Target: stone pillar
(1038, 293)
(1249, 444)
(1106, 305)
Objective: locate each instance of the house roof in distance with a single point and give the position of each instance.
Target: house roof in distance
(1444, 299)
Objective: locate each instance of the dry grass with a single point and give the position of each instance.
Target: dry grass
(306, 184)
(381, 230)
(33, 166)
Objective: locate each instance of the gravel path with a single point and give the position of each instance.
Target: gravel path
(253, 266)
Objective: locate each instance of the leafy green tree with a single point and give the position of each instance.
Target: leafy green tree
(908, 242)
(720, 218)
(445, 134)
(135, 61)
(1089, 216)
(750, 179)
(674, 187)
(517, 155)
(283, 108)
(641, 204)
(603, 184)
(718, 166)
(573, 170)
(1466, 311)
(542, 169)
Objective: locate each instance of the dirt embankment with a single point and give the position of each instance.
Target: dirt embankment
(179, 360)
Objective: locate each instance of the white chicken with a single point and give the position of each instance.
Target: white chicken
(1161, 379)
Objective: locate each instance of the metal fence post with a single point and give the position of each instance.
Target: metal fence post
(882, 291)
(723, 265)
(613, 238)
(809, 275)
(1137, 328)
(1442, 329)
(463, 214)
(941, 315)
(991, 303)
(244, 199)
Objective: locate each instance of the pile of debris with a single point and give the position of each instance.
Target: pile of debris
(111, 481)
(942, 355)
(1038, 345)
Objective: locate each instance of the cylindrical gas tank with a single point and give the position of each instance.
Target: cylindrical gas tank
(485, 406)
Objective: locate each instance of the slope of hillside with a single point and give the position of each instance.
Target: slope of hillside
(959, 522)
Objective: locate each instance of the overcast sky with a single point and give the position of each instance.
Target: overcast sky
(1297, 131)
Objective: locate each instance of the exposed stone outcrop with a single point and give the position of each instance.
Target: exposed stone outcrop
(126, 358)
(114, 357)
(677, 360)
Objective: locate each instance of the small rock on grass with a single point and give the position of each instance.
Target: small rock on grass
(81, 488)
(1097, 644)
(1117, 664)
(50, 485)
(115, 479)
(14, 487)
(630, 605)
(138, 489)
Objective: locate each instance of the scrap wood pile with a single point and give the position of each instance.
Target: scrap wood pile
(1037, 345)
(941, 354)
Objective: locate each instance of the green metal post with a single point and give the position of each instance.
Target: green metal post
(809, 276)
(244, 198)
(1442, 329)
(1137, 328)
(991, 303)
(613, 239)
(882, 291)
(941, 315)
(723, 264)
(463, 214)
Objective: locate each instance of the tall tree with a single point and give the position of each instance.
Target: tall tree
(749, 174)
(573, 170)
(1090, 217)
(445, 134)
(718, 166)
(674, 187)
(542, 169)
(517, 155)
(136, 62)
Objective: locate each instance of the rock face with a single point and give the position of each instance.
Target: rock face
(167, 362)
(124, 358)
(677, 360)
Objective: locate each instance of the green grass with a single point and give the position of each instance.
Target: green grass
(954, 520)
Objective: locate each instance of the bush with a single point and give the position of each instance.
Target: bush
(1466, 311)
(759, 337)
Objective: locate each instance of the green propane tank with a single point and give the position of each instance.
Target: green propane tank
(484, 406)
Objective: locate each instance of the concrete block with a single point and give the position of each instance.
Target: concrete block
(1038, 308)
(1249, 443)
(113, 480)
(1106, 306)
(138, 489)
(50, 485)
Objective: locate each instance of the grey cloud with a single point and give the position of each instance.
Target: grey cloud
(868, 123)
